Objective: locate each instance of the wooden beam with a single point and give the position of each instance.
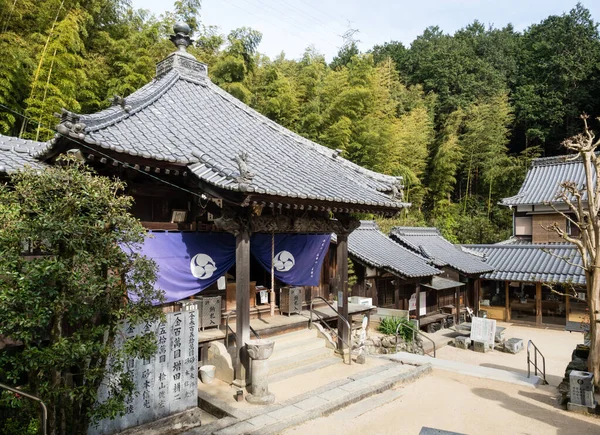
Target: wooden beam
(538, 304)
(242, 306)
(397, 292)
(567, 307)
(507, 301)
(342, 290)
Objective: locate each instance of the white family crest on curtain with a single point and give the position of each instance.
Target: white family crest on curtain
(202, 266)
(187, 262)
(296, 259)
(283, 261)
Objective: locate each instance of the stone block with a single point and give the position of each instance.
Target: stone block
(462, 342)
(220, 358)
(480, 346)
(582, 409)
(514, 345)
(499, 338)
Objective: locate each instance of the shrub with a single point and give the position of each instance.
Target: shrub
(388, 326)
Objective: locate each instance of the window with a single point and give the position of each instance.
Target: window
(523, 226)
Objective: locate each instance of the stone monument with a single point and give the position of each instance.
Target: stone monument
(167, 382)
(582, 392)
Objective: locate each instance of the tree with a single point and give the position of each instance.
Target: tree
(558, 75)
(584, 213)
(65, 304)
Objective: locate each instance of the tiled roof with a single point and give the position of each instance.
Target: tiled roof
(16, 153)
(543, 180)
(374, 248)
(439, 283)
(429, 243)
(532, 263)
(183, 118)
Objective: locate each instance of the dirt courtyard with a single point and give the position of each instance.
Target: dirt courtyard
(470, 405)
(457, 403)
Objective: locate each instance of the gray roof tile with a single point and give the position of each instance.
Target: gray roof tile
(369, 245)
(17, 153)
(429, 243)
(543, 180)
(196, 123)
(532, 262)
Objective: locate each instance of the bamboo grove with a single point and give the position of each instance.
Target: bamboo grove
(458, 116)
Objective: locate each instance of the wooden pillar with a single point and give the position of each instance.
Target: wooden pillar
(475, 285)
(456, 305)
(418, 303)
(373, 291)
(242, 309)
(397, 293)
(342, 289)
(507, 301)
(538, 303)
(567, 307)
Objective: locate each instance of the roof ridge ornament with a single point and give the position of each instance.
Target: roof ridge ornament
(182, 61)
(245, 177)
(181, 38)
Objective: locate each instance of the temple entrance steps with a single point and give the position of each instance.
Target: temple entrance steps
(299, 351)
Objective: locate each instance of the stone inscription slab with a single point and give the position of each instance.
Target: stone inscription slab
(166, 383)
(483, 330)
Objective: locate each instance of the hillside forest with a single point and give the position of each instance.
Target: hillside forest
(459, 116)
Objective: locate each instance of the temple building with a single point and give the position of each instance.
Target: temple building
(216, 181)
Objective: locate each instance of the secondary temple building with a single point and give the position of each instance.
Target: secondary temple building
(533, 265)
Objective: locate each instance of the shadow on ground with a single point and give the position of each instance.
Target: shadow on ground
(564, 424)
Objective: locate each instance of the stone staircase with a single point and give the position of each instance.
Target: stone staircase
(298, 352)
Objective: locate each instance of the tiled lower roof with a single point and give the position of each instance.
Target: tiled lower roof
(429, 243)
(532, 262)
(17, 153)
(371, 246)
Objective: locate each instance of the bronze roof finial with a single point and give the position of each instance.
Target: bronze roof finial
(181, 38)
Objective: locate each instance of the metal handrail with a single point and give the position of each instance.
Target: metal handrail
(228, 328)
(37, 399)
(413, 329)
(329, 327)
(535, 362)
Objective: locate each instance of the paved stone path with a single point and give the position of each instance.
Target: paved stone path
(314, 404)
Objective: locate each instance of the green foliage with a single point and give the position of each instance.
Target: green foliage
(65, 304)
(388, 326)
(458, 116)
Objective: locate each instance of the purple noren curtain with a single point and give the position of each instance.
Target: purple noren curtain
(189, 262)
(298, 257)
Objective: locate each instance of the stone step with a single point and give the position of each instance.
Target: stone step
(307, 368)
(292, 348)
(274, 419)
(293, 336)
(299, 360)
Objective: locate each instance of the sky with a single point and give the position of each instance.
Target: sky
(293, 25)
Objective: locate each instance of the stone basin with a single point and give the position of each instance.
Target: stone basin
(260, 349)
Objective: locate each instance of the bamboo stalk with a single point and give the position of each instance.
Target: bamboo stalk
(40, 63)
(37, 134)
